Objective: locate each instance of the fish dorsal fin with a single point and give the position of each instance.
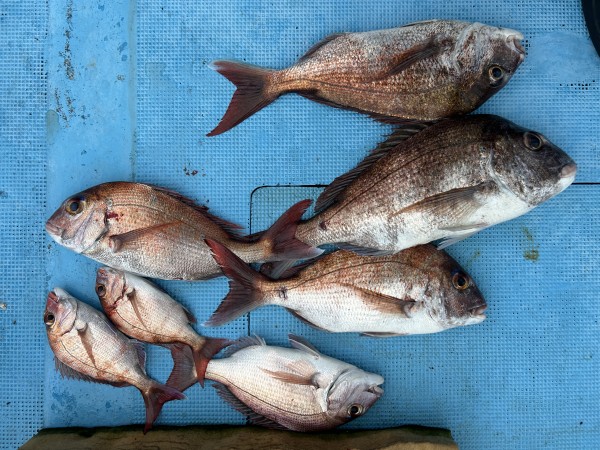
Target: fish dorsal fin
(243, 342)
(241, 407)
(68, 372)
(334, 191)
(282, 270)
(300, 343)
(320, 44)
(232, 229)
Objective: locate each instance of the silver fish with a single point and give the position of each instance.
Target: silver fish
(297, 389)
(419, 290)
(145, 312)
(422, 71)
(443, 183)
(88, 347)
(158, 233)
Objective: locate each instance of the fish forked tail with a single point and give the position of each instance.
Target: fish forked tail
(250, 96)
(183, 374)
(280, 243)
(154, 399)
(244, 286)
(204, 352)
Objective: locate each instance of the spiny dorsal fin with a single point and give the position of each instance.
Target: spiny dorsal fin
(334, 191)
(241, 407)
(68, 372)
(243, 342)
(232, 229)
(300, 343)
(320, 44)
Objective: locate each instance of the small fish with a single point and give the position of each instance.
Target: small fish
(157, 233)
(441, 183)
(88, 347)
(419, 290)
(143, 311)
(297, 389)
(422, 71)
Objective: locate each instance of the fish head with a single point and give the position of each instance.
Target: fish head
(352, 394)
(111, 285)
(528, 164)
(488, 56)
(80, 221)
(60, 312)
(463, 303)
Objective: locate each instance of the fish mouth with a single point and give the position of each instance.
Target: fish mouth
(568, 171)
(54, 230)
(478, 311)
(376, 390)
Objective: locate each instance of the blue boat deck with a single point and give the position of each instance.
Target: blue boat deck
(100, 91)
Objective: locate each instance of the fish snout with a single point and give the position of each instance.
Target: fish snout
(376, 390)
(568, 170)
(478, 311)
(54, 230)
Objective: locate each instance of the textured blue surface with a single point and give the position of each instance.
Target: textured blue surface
(97, 91)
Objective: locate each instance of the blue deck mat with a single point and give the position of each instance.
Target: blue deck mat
(98, 91)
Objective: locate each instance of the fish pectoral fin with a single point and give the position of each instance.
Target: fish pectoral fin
(457, 204)
(297, 372)
(377, 334)
(130, 296)
(413, 55)
(320, 44)
(241, 407)
(386, 303)
(467, 232)
(297, 315)
(86, 337)
(135, 238)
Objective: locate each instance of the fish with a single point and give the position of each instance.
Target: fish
(417, 291)
(157, 233)
(88, 347)
(295, 388)
(442, 183)
(422, 71)
(142, 310)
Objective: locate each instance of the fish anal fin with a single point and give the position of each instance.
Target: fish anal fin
(120, 242)
(363, 251)
(140, 350)
(244, 409)
(320, 44)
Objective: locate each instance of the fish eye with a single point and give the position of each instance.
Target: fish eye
(49, 319)
(355, 410)
(533, 141)
(460, 281)
(74, 205)
(100, 290)
(496, 74)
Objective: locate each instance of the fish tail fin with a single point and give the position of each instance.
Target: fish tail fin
(244, 286)
(280, 242)
(154, 399)
(251, 94)
(183, 374)
(204, 352)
